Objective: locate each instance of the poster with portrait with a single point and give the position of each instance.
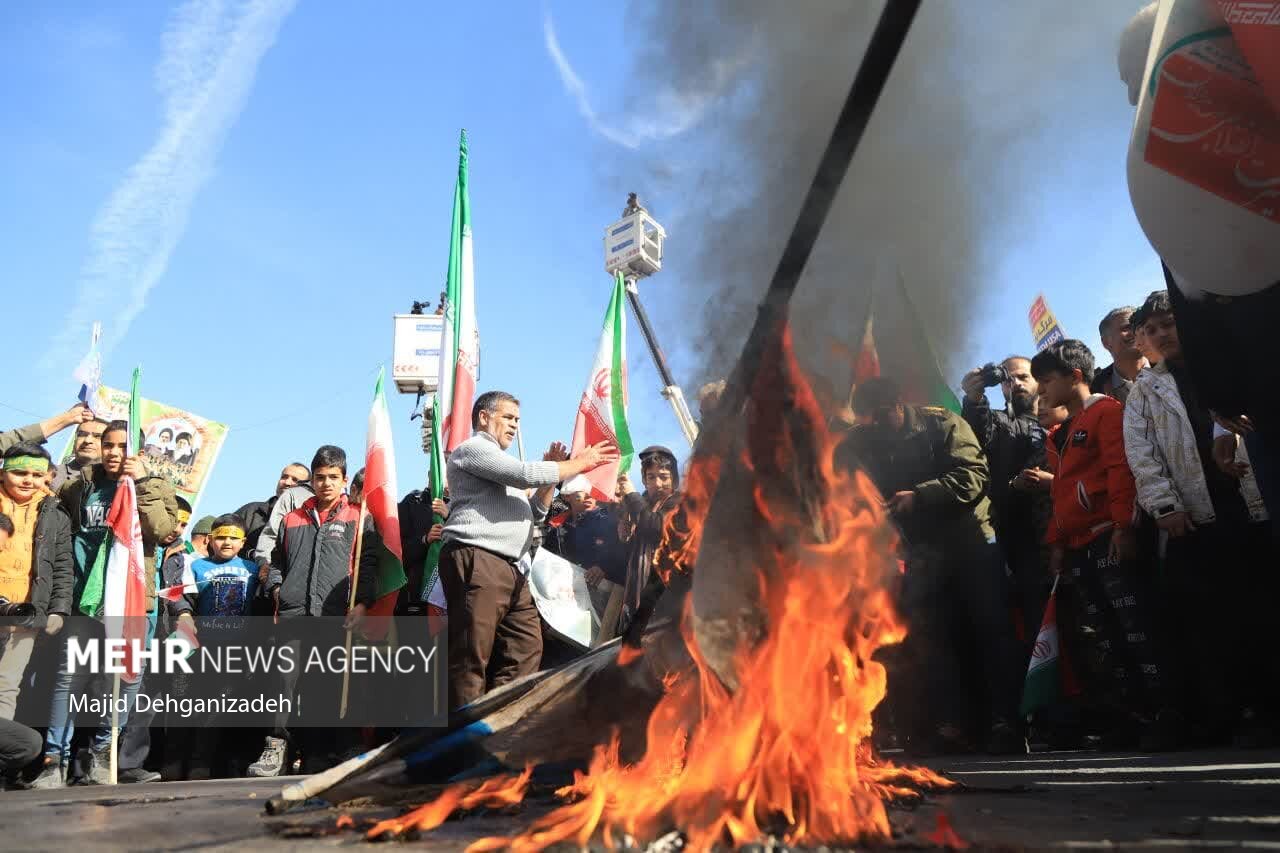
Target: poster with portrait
(176, 445)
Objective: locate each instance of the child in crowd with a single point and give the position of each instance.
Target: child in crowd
(1093, 537)
(218, 590)
(1219, 559)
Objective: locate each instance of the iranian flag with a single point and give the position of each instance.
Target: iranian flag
(124, 594)
(460, 344)
(124, 578)
(602, 414)
(1042, 687)
(380, 502)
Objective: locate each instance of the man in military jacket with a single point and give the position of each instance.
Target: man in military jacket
(961, 662)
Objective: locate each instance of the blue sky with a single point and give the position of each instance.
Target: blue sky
(246, 215)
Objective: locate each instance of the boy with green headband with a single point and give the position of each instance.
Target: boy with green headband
(35, 568)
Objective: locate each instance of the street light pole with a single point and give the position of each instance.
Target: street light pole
(670, 389)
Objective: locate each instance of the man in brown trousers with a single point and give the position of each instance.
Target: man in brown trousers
(494, 632)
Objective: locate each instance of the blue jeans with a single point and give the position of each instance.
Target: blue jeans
(62, 726)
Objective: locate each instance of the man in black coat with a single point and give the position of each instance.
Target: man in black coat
(1013, 441)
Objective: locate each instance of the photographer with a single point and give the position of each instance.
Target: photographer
(1013, 441)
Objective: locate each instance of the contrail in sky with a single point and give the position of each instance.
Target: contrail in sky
(670, 113)
(211, 51)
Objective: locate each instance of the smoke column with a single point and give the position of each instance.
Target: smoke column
(943, 179)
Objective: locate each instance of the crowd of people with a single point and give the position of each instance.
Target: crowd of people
(1118, 492)
(289, 558)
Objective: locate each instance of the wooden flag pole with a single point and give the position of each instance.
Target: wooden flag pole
(351, 603)
(114, 762)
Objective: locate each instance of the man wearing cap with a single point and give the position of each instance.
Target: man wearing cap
(646, 517)
(200, 536)
(495, 634)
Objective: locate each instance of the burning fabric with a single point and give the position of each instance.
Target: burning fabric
(764, 727)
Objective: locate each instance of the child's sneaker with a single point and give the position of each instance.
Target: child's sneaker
(52, 775)
(271, 762)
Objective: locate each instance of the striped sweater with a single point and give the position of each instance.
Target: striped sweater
(489, 507)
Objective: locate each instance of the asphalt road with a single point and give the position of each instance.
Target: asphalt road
(1197, 800)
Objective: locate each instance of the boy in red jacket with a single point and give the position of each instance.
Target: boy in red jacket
(1094, 539)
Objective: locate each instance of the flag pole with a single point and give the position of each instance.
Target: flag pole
(520, 442)
(351, 603)
(113, 764)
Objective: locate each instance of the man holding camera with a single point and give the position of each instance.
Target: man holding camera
(1013, 441)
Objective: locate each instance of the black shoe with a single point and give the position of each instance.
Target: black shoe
(137, 776)
(944, 740)
(1166, 733)
(1253, 732)
(1004, 739)
(1119, 738)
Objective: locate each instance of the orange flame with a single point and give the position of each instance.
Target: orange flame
(788, 751)
(497, 792)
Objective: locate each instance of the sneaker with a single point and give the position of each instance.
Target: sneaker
(1253, 732)
(99, 767)
(271, 762)
(52, 775)
(138, 776)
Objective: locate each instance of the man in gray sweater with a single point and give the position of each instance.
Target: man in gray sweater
(495, 635)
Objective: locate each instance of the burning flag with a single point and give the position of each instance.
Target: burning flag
(460, 346)
(380, 500)
(770, 738)
(1041, 688)
(602, 414)
(867, 365)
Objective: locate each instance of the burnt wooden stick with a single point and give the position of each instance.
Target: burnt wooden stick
(723, 584)
(886, 42)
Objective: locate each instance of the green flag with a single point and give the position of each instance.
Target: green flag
(431, 572)
(930, 386)
(135, 415)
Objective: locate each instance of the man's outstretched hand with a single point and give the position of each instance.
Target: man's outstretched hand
(594, 455)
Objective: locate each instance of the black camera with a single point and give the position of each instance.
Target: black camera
(993, 375)
(16, 615)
